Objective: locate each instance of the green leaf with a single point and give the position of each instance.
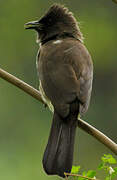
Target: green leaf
(80, 178)
(101, 165)
(114, 174)
(115, 169)
(83, 174)
(107, 178)
(75, 169)
(108, 158)
(91, 173)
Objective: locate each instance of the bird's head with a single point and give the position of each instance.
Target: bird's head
(56, 21)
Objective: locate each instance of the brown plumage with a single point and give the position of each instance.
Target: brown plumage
(65, 73)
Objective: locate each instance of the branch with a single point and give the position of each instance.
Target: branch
(82, 124)
(78, 175)
(98, 135)
(21, 84)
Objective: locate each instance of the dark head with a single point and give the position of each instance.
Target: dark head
(57, 21)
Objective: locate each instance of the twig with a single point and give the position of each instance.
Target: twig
(78, 175)
(66, 176)
(21, 84)
(82, 124)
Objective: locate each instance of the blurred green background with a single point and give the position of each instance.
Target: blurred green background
(24, 122)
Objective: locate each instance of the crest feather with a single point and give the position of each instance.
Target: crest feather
(59, 12)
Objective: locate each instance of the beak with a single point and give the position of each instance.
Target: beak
(33, 25)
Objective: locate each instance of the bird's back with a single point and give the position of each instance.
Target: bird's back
(65, 66)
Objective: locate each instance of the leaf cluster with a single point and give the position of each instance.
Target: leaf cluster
(106, 165)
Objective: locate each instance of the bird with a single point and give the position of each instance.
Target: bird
(65, 71)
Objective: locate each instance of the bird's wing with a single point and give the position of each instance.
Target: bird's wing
(61, 78)
(61, 87)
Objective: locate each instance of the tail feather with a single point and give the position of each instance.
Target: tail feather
(58, 155)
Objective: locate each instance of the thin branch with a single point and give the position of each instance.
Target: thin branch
(21, 84)
(98, 135)
(82, 124)
(66, 177)
(78, 175)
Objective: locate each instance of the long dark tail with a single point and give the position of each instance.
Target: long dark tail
(58, 155)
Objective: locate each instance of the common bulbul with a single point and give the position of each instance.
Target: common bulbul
(65, 72)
